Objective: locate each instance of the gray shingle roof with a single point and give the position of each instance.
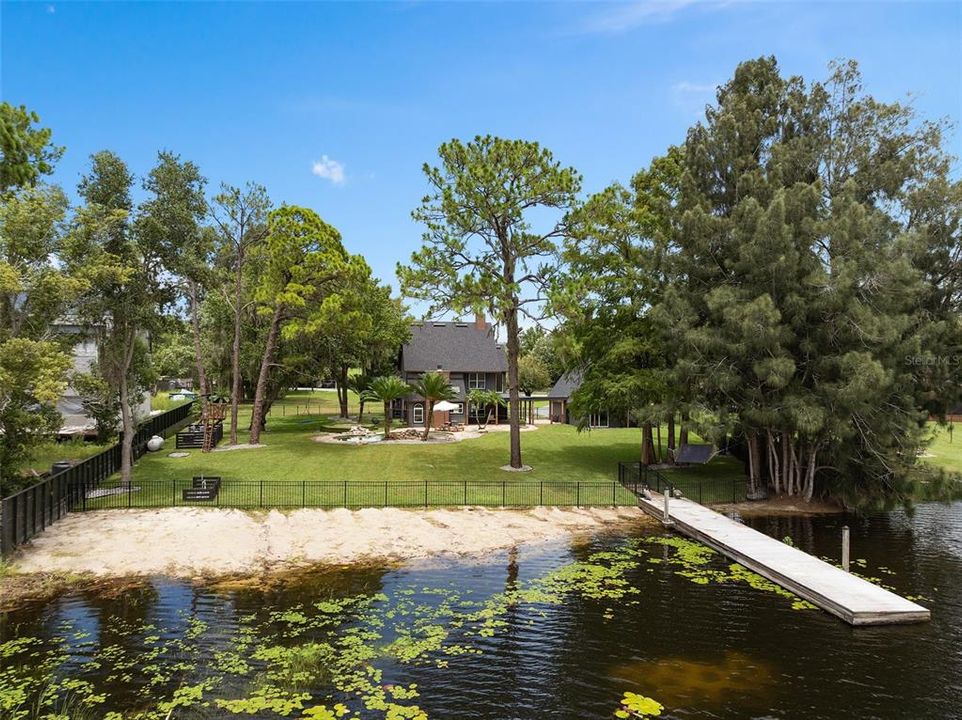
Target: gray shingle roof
(566, 385)
(456, 346)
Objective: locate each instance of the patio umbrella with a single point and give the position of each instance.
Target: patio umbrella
(445, 406)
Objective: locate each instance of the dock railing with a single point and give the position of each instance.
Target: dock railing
(636, 476)
(31, 510)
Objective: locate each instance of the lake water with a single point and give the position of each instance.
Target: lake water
(557, 631)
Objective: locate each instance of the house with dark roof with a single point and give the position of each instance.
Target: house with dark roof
(559, 398)
(468, 353)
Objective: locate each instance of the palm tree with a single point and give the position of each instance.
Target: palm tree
(387, 389)
(433, 387)
(360, 384)
(482, 399)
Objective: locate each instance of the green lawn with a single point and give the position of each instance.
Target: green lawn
(946, 448)
(557, 453)
(45, 455)
(400, 475)
(330, 474)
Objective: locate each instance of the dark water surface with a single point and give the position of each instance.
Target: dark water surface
(715, 649)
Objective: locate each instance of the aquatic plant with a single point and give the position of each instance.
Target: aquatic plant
(634, 705)
(698, 563)
(327, 658)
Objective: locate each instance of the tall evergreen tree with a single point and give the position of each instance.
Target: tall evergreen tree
(798, 277)
(481, 251)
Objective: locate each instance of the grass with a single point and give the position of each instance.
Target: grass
(329, 474)
(49, 452)
(946, 448)
(557, 452)
(161, 401)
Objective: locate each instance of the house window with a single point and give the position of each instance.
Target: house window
(418, 414)
(476, 381)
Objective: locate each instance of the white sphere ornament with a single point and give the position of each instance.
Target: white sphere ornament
(155, 443)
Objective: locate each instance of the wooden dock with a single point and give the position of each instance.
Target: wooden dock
(851, 598)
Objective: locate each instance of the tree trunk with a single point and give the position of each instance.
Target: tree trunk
(810, 475)
(647, 443)
(793, 472)
(671, 438)
(342, 390)
(428, 420)
(126, 411)
(235, 348)
(257, 414)
(360, 411)
(658, 444)
(387, 418)
(198, 354)
(127, 442)
(774, 472)
(514, 400)
(786, 465)
(683, 432)
(752, 442)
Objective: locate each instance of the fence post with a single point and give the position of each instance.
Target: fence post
(503, 488)
(578, 495)
(613, 501)
(425, 494)
(385, 493)
(303, 493)
(465, 493)
(541, 494)
(261, 504)
(173, 491)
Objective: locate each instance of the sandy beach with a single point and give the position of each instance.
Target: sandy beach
(187, 542)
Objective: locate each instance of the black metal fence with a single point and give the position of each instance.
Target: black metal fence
(708, 491)
(359, 493)
(31, 510)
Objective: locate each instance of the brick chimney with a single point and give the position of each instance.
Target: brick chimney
(479, 322)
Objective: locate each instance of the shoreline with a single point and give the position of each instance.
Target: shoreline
(113, 549)
(209, 542)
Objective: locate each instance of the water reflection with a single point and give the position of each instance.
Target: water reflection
(704, 651)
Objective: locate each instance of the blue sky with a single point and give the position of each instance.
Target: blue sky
(337, 106)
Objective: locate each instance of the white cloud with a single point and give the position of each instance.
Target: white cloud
(692, 97)
(621, 17)
(684, 88)
(329, 169)
(624, 17)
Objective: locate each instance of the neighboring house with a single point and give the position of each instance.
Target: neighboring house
(75, 419)
(468, 353)
(560, 396)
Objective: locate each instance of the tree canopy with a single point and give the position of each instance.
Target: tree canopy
(482, 248)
